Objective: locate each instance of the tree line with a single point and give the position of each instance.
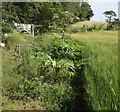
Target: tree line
(45, 15)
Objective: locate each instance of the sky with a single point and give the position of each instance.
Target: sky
(100, 6)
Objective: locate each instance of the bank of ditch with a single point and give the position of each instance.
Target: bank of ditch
(51, 73)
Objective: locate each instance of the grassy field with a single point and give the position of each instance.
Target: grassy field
(88, 23)
(102, 72)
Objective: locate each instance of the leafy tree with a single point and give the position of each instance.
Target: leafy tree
(8, 15)
(44, 14)
(47, 14)
(72, 7)
(116, 23)
(85, 11)
(109, 15)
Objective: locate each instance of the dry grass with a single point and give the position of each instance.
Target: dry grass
(8, 104)
(88, 23)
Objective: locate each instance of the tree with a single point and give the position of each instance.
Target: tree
(109, 15)
(85, 12)
(72, 7)
(82, 10)
(116, 23)
(8, 15)
(44, 14)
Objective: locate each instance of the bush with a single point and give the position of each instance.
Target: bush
(7, 27)
(84, 28)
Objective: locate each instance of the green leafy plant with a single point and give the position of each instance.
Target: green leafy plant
(47, 73)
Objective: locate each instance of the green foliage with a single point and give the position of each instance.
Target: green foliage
(9, 15)
(109, 15)
(46, 74)
(65, 49)
(45, 15)
(81, 10)
(85, 12)
(7, 28)
(113, 25)
(116, 24)
(111, 21)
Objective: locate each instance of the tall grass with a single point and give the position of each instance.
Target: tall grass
(101, 73)
(9, 63)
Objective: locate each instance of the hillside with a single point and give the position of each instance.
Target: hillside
(88, 23)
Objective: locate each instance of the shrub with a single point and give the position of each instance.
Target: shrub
(7, 28)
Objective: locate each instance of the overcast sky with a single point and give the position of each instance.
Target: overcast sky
(101, 6)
